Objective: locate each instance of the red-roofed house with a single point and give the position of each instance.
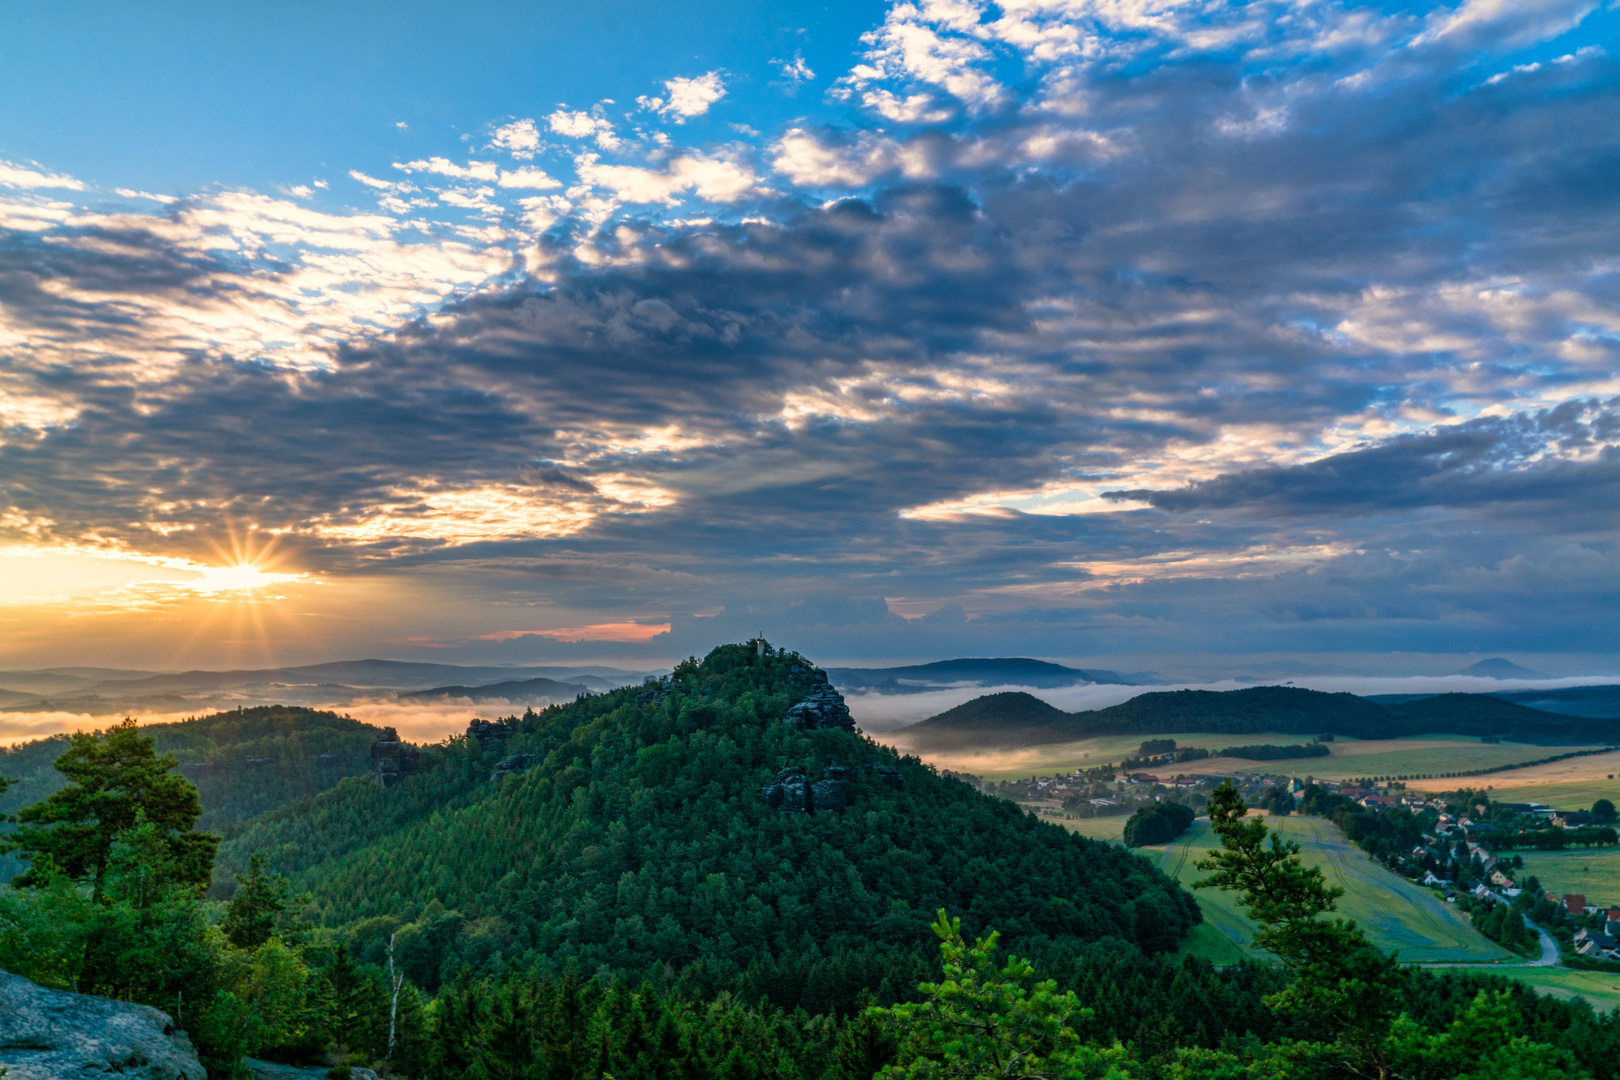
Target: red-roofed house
(1575, 902)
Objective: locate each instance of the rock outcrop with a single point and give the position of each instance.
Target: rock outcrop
(794, 793)
(51, 1034)
(791, 793)
(515, 764)
(487, 734)
(653, 691)
(391, 759)
(822, 707)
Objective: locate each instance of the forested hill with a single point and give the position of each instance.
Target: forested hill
(1020, 719)
(244, 762)
(642, 837)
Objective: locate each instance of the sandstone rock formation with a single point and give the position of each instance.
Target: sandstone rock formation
(514, 764)
(391, 759)
(51, 1034)
(822, 707)
(791, 793)
(487, 734)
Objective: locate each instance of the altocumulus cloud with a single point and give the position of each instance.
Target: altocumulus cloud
(1096, 329)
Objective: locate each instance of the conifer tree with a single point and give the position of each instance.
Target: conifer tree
(115, 781)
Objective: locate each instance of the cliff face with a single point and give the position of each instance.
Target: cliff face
(50, 1034)
(391, 759)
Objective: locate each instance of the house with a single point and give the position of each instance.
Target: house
(1499, 878)
(1594, 945)
(1433, 882)
(1484, 893)
(1574, 902)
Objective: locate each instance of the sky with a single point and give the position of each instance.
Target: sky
(1141, 333)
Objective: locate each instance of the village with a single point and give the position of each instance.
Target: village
(1461, 845)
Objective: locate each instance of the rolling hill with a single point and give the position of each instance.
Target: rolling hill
(515, 691)
(1019, 719)
(654, 828)
(1592, 701)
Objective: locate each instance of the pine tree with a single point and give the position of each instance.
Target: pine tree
(115, 781)
(260, 898)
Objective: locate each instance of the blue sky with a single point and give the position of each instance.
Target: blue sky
(174, 98)
(1108, 330)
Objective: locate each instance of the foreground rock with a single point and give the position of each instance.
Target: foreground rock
(51, 1034)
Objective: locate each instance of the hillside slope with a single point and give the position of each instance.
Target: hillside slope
(642, 835)
(244, 762)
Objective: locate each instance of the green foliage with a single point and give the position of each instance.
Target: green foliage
(1485, 1043)
(1505, 925)
(983, 1022)
(256, 906)
(1604, 811)
(116, 782)
(1158, 823)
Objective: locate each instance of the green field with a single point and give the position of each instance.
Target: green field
(1593, 871)
(1348, 758)
(1396, 914)
(1568, 795)
(1098, 828)
(1600, 989)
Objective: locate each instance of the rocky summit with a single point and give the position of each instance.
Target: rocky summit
(51, 1034)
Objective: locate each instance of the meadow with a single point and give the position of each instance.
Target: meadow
(1348, 758)
(1397, 915)
(1593, 871)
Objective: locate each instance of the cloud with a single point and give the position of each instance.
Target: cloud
(528, 178)
(708, 178)
(795, 70)
(473, 170)
(20, 176)
(584, 125)
(1220, 327)
(520, 138)
(685, 98)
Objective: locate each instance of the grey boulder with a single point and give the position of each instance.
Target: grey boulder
(53, 1035)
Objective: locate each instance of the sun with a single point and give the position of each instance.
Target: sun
(239, 577)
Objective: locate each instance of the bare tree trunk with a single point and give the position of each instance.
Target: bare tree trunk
(395, 980)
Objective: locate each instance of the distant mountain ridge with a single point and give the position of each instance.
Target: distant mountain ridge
(1498, 668)
(984, 671)
(1016, 718)
(515, 691)
(103, 692)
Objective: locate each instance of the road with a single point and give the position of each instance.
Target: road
(1548, 957)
